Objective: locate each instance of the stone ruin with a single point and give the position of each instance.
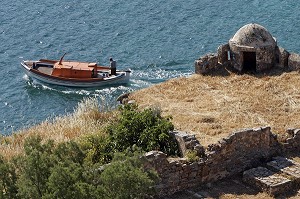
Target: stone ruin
(252, 48)
(255, 153)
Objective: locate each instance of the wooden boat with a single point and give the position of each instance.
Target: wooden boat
(74, 73)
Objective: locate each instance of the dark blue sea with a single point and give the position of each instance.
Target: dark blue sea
(157, 40)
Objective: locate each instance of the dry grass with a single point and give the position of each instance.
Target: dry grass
(88, 118)
(246, 196)
(212, 107)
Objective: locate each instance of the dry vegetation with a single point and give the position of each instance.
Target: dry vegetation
(214, 106)
(86, 119)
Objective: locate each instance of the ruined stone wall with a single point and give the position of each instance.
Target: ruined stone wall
(241, 150)
(293, 141)
(206, 63)
(188, 142)
(232, 155)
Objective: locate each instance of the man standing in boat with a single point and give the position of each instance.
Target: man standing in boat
(113, 66)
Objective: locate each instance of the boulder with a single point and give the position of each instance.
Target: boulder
(294, 61)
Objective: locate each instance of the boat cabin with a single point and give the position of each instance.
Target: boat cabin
(75, 69)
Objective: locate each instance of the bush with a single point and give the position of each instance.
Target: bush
(8, 180)
(35, 167)
(98, 148)
(146, 129)
(62, 171)
(125, 177)
(68, 181)
(192, 156)
(69, 152)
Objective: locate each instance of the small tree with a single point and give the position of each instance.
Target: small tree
(125, 177)
(67, 181)
(70, 177)
(146, 129)
(69, 152)
(98, 148)
(35, 168)
(8, 180)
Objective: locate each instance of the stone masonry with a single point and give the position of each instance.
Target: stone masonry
(268, 181)
(188, 142)
(280, 176)
(242, 150)
(286, 166)
(294, 61)
(206, 63)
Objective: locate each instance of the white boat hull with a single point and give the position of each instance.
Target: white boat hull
(122, 77)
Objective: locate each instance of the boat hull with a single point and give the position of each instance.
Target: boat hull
(122, 77)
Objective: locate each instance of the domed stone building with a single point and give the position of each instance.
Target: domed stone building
(252, 48)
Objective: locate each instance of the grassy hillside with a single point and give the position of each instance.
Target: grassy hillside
(86, 119)
(214, 106)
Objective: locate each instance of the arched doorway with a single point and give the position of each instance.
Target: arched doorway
(249, 61)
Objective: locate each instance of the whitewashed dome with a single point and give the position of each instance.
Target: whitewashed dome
(253, 35)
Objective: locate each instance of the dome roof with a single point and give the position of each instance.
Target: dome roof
(253, 35)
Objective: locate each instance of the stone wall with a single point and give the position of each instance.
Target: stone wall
(206, 63)
(188, 142)
(223, 58)
(293, 141)
(240, 151)
(265, 59)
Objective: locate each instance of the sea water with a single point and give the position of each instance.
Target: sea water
(157, 40)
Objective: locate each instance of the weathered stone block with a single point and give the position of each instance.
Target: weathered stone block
(267, 181)
(206, 63)
(294, 61)
(223, 54)
(282, 57)
(188, 142)
(286, 166)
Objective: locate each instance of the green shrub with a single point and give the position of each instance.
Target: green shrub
(8, 180)
(48, 171)
(68, 181)
(125, 177)
(146, 129)
(35, 168)
(69, 152)
(192, 156)
(98, 148)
